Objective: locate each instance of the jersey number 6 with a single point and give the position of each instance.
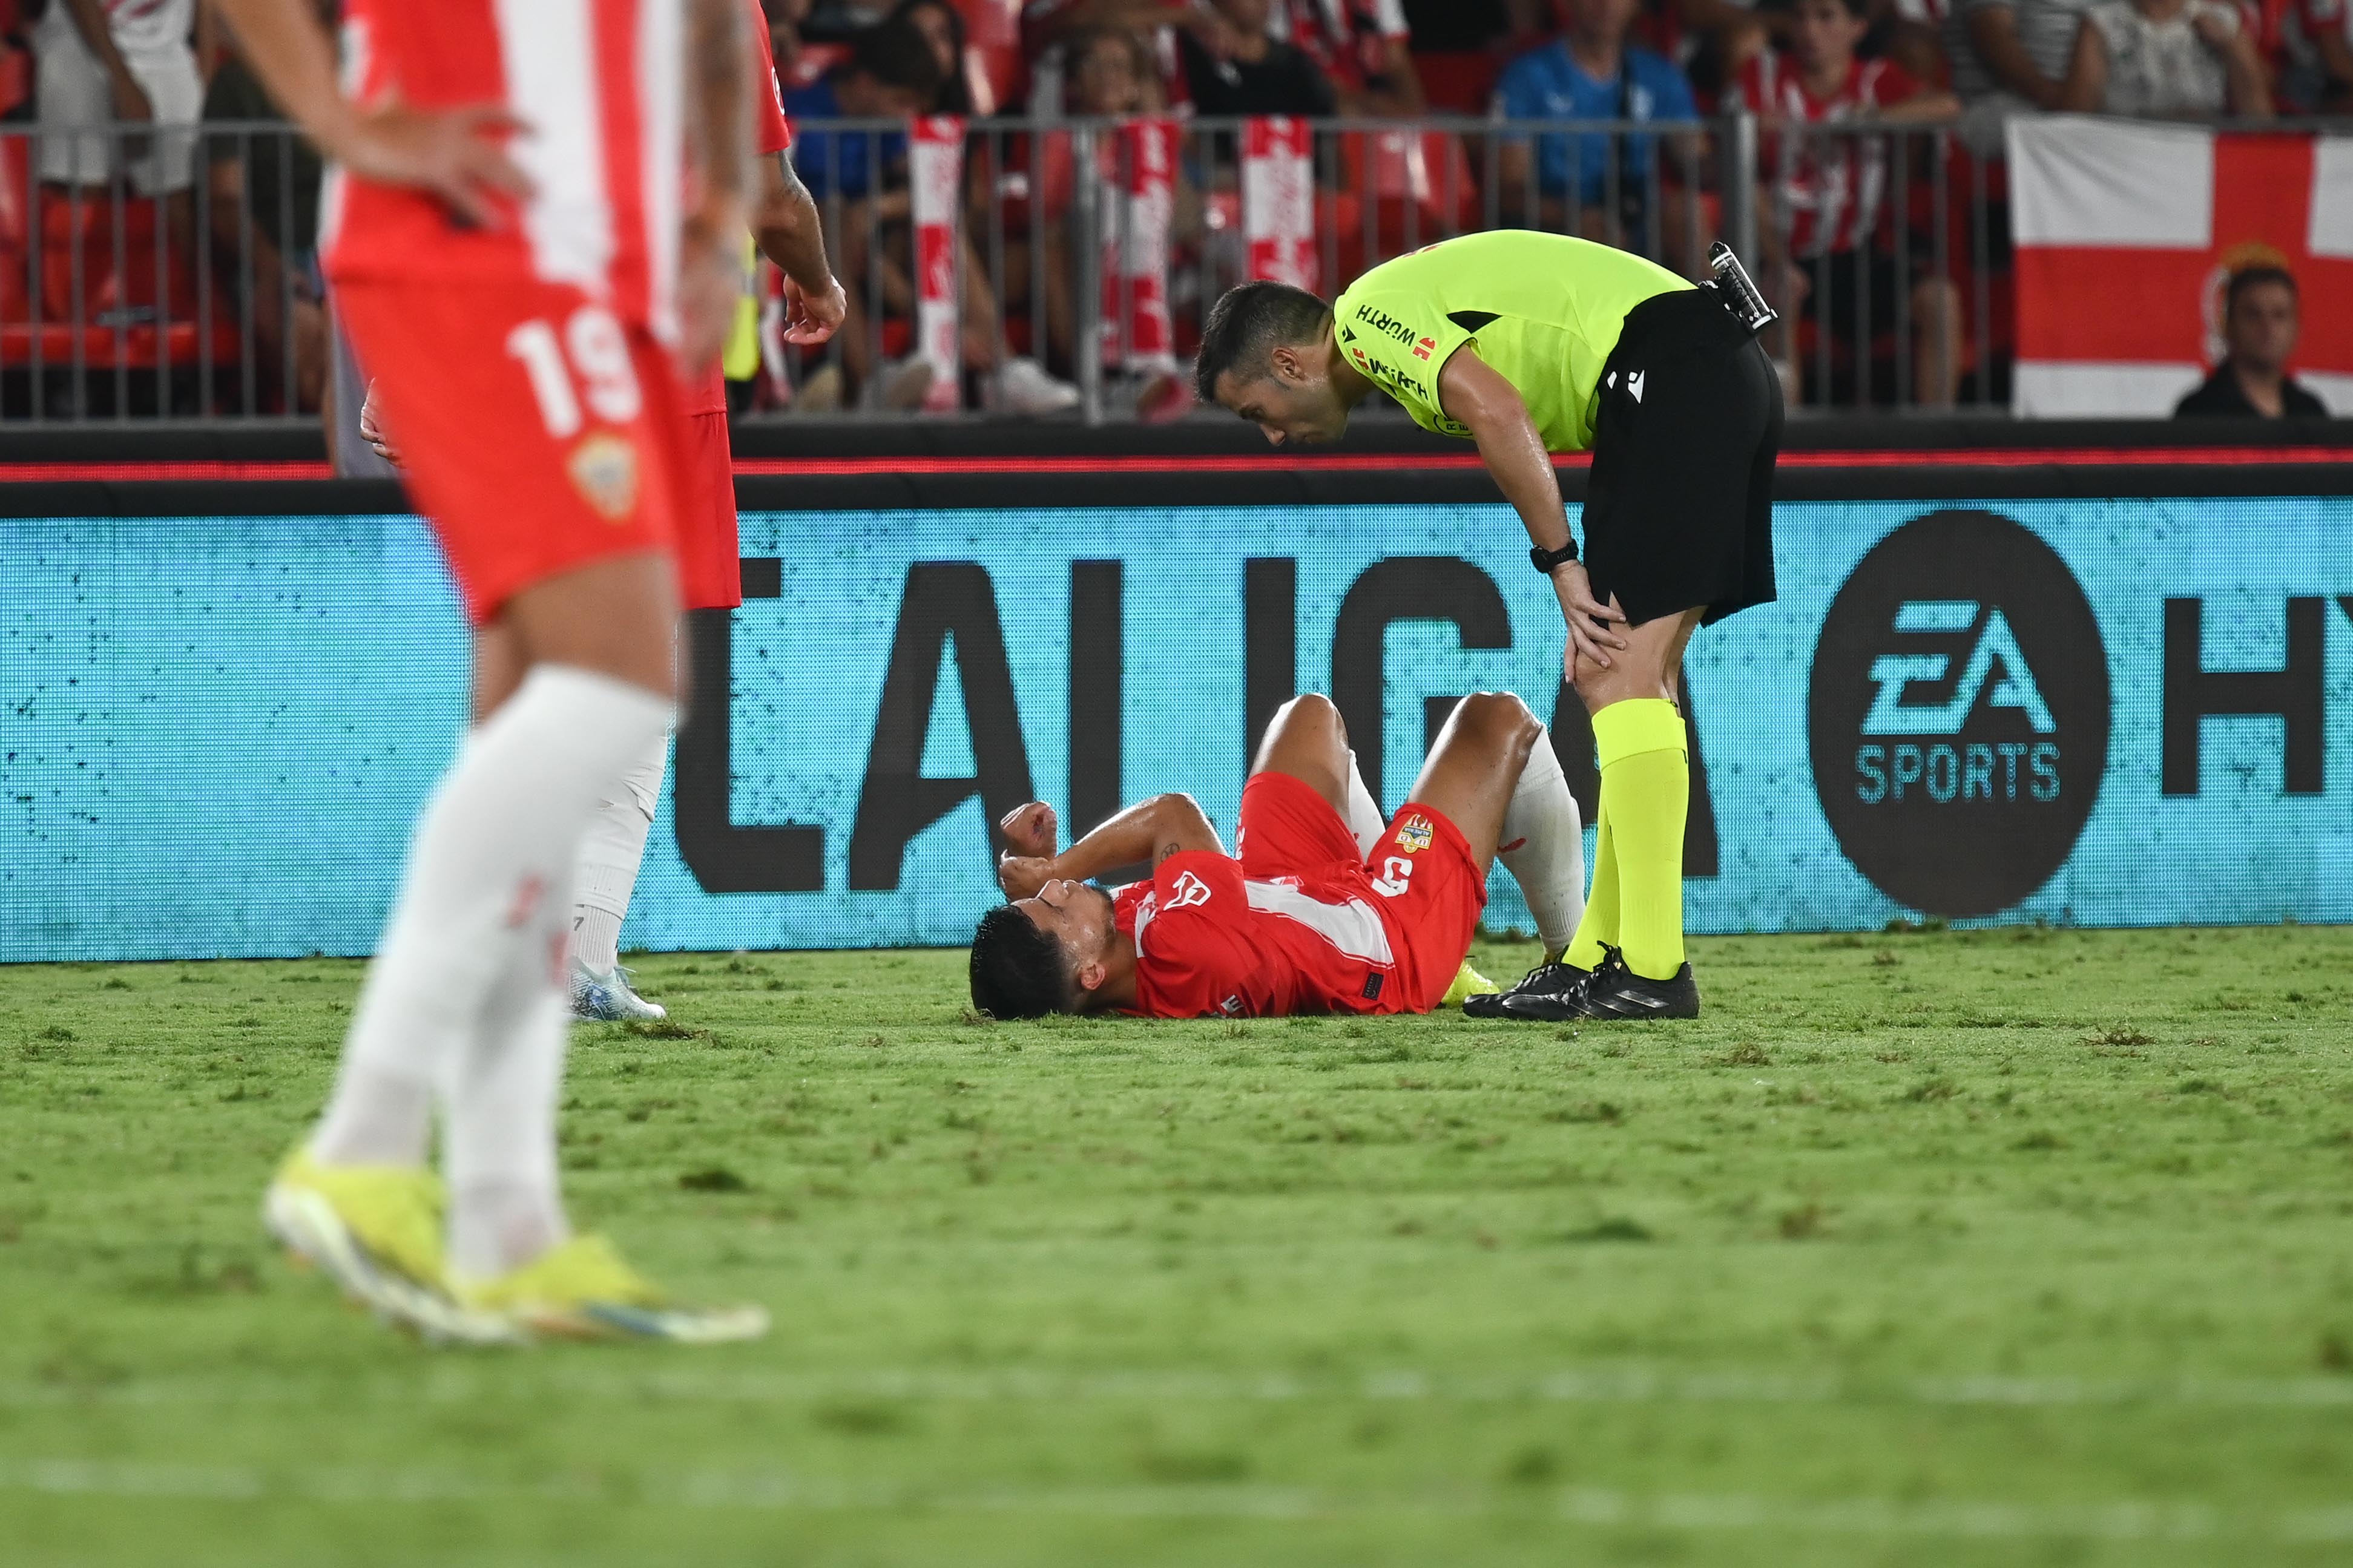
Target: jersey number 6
(599, 354)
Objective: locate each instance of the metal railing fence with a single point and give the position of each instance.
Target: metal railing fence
(1885, 248)
(130, 293)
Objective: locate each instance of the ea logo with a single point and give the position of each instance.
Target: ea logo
(1959, 713)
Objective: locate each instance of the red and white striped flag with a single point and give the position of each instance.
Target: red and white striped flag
(936, 176)
(1141, 158)
(2126, 233)
(1278, 199)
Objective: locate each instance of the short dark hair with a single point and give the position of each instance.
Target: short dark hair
(896, 54)
(2247, 277)
(1018, 968)
(1247, 324)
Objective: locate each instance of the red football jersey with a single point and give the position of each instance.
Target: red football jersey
(1209, 943)
(1830, 186)
(600, 86)
(1349, 39)
(771, 133)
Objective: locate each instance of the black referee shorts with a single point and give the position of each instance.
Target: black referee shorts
(1679, 506)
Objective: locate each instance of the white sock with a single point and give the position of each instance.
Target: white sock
(1544, 847)
(498, 1146)
(493, 852)
(1364, 818)
(609, 857)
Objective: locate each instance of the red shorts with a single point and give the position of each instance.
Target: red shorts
(1421, 875)
(538, 432)
(710, 575)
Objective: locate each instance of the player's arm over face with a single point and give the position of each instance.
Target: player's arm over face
(1146, 833)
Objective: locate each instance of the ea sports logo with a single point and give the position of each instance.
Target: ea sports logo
(1959, 713)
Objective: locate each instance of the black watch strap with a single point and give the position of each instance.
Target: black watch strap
(1545, 560)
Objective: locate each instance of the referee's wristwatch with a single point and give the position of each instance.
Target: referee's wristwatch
(1545, 560)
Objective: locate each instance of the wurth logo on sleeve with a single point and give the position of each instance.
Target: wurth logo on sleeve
(1387, 325)
(1186, 891)
(1422, 349)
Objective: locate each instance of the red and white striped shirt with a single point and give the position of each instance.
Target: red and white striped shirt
(1829, 186)
(599, 86)
(1349, 39)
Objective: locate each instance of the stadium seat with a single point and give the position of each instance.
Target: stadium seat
(114, 248)
(121, 317)
(1457, 82)
(1422, 185)
(15, 70)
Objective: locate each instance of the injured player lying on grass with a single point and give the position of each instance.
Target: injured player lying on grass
(1323, 907)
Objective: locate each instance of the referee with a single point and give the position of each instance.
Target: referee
(1535, 344)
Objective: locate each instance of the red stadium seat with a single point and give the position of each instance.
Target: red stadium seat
(1421, 183)
(122, 316)
(1457, 81)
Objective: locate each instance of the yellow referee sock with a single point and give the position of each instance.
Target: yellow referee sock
(1645, 794)
(1598, 928)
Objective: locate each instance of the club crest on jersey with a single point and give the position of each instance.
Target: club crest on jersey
(1415, 835)
(603, 469)
(1187, 891)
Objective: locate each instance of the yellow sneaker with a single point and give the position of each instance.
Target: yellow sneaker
(1467, 982)
(583, 1289)
(376, 1231)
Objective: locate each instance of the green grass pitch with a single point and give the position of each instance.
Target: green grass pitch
(2016, 1247)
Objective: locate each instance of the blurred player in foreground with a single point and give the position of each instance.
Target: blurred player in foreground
(787, 227)
(518, 266)
(1322, 908)
(1535, 343)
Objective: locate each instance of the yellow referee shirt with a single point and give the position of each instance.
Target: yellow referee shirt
(1545, 310)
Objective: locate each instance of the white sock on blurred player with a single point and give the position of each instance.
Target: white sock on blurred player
(497, 841)
(1364, 818)
(609, 858)
(498, 1145)
(1544, 847)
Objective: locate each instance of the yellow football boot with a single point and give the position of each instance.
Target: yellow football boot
(583, 1289)
(1467, 982)
(376, 1231)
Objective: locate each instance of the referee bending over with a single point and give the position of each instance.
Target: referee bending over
(1534, 343)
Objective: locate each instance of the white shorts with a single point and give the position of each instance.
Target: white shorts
(74, 93)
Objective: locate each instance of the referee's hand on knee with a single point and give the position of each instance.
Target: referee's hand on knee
(1590, 620)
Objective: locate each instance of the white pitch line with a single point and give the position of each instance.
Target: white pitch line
(445, 1382)
(715, 1491)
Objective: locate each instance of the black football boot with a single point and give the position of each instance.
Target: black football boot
(1543, 978)
(1617, 991)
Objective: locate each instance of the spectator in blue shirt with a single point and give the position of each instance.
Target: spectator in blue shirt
(890, 74)
(859, 177)
(1593, 184)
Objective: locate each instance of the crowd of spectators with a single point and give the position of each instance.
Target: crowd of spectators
(121, 90)
(1838, 250)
